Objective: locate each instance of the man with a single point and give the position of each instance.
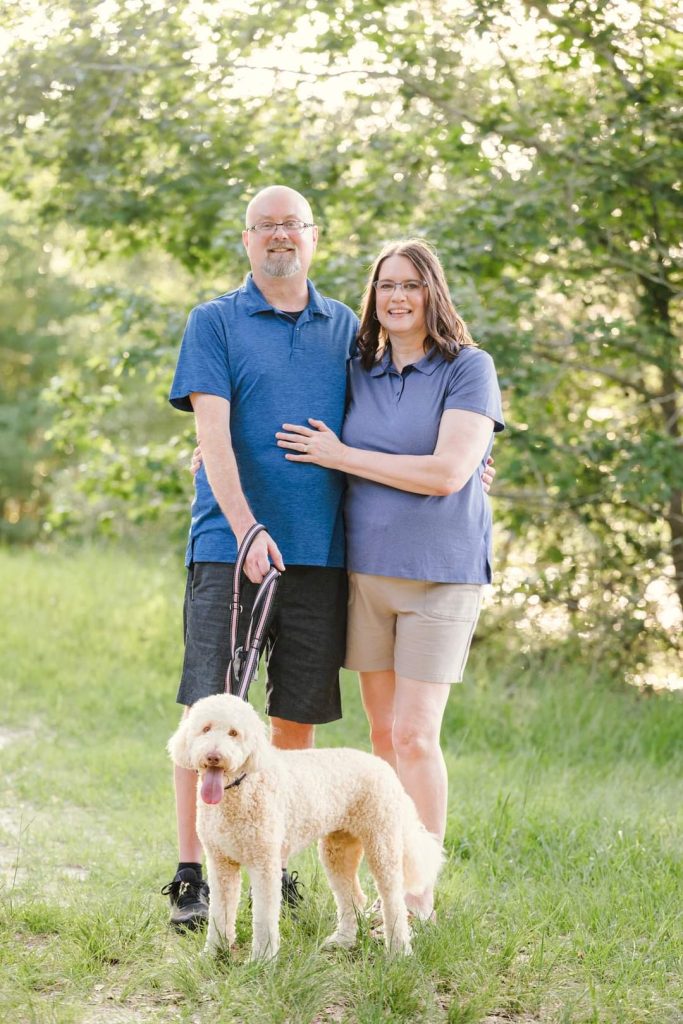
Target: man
(270, 352)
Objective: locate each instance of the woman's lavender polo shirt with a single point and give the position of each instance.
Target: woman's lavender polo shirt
(273, 369)
(389, 532)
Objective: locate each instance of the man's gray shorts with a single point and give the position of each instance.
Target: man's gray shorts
(304, 647)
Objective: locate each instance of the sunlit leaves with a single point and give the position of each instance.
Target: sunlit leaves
(535, 144)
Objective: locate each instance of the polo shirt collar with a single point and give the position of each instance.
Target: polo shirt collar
(257, 303)
(426, 365)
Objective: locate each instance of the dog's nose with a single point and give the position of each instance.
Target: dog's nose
(213, 760)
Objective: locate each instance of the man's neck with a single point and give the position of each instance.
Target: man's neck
(290, 294)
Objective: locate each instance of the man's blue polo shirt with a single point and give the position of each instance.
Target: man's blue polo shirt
(389, 532)
(272, 369)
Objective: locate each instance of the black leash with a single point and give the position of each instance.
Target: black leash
(244, 659)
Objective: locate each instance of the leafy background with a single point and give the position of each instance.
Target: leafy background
(537, 145)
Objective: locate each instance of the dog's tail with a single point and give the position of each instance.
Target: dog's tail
(423, 854)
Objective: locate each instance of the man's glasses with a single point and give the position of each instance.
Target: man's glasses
(407, 287)
(268, 227)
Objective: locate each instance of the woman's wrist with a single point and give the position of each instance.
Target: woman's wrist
(344, 458)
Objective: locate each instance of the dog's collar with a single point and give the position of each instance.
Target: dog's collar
(236, 782)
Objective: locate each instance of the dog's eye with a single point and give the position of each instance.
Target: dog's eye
(207, 728)
(233, 732)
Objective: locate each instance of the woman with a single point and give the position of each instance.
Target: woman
(424, 405)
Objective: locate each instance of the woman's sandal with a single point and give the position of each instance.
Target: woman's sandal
(376, 921)
(373, 913)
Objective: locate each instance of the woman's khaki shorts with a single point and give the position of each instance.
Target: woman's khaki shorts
(420, 630)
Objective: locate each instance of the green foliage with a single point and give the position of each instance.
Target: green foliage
(37, 304)
(535, 144)
(108, 423)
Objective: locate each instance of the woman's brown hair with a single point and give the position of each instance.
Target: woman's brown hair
(446, 330)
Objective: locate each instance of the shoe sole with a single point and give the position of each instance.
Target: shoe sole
(192, 923)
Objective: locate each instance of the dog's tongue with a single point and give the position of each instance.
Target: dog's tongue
(212, 786)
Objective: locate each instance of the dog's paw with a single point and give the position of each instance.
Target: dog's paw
(221, 950)
(262, 954)
(337, 938)
(399, 947)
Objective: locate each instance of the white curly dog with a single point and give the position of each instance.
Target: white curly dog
(256, 803)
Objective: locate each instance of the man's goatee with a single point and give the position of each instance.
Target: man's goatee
(285, 265)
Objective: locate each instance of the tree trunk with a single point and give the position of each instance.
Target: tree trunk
(657, 312)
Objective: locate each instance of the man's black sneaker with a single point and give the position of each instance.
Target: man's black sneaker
(291, 889)
(189, 896)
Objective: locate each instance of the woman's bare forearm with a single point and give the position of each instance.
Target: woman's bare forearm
(421, 474)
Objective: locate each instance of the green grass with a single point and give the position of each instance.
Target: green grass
(560, 901)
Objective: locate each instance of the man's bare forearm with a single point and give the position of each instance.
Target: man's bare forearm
(212, 416)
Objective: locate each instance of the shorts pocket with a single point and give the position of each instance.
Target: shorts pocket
(212, 583)
(454, 602)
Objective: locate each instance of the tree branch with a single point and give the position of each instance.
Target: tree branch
(625, 382)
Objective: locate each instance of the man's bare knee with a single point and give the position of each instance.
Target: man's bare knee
(287, 735)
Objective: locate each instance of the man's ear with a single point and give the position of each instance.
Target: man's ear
(179, 746)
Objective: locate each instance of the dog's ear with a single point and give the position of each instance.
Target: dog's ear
(178, 746)
(261, 750)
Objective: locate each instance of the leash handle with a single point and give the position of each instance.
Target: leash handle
(244, 660)
(242, 553)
